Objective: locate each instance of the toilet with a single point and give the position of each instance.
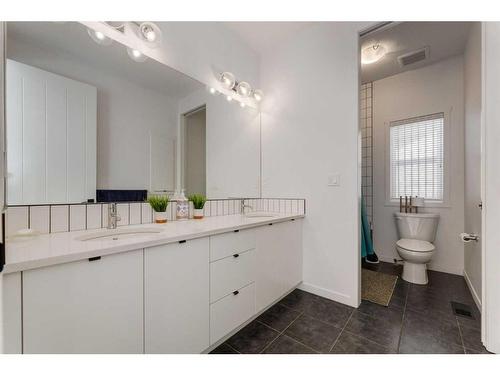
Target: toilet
(417, 233)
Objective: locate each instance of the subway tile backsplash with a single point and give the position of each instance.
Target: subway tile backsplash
(75, 217)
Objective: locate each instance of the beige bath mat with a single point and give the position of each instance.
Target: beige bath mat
(377, 287)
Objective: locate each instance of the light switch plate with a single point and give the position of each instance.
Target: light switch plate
(334, 180)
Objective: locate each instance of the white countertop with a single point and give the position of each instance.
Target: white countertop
(49, 249)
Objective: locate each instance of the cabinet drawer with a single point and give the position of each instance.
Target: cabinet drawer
(231, 273)
(231, 311)
(226, 244)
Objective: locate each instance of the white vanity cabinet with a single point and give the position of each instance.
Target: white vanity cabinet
(88, 306)
(176, 297)
(279, 259)
(12, 313)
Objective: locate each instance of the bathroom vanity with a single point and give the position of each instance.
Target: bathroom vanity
(182, 290)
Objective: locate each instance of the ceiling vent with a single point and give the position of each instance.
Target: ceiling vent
(413, 57)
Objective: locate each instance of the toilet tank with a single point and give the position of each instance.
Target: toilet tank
(417, 226)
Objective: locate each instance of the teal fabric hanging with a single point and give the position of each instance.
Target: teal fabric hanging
(366, 239)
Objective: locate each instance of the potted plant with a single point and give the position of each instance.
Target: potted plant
(198, 204)
(159, 205)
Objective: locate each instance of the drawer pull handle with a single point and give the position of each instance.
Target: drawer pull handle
(182, 241)
(236, 292)
(236, 230)
(236, 255)
(270, 224)
(94, 259)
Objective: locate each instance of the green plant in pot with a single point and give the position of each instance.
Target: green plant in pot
(159, 205)
(198, 204)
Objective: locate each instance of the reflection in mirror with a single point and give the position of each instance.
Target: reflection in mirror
(83, 116)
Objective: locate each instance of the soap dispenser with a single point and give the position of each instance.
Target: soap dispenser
(182, 212)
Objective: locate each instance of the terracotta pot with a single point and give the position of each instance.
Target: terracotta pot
(160, 217)
(198, 213)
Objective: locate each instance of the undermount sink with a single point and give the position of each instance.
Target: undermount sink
(260, 214)
(119, 234)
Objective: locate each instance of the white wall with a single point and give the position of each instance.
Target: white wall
(310, 130)
(126, 113)
(472, 76)
(432, 89)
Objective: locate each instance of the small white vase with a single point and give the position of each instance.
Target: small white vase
(198, 213)
(160, 217)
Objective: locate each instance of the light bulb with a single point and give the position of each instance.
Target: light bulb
(244, 89)
(258, 95)
(229, 98)
(150, 33)
(228, 80)
(372, 54)
(99, 37)
(242, 105)
(136, 55)
(212, 90)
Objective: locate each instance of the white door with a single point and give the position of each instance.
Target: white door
(176, 297)
(51, 137)
(89, 306)
(491, 187)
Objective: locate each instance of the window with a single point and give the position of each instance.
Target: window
(417, 157)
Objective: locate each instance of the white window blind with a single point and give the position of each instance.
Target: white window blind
(416, 157)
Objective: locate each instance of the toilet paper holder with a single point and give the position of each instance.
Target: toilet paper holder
(468, 237)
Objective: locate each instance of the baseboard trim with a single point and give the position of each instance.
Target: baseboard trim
(475, 296)
(330, 294)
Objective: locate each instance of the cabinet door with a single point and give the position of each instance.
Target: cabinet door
(85, 306)
(279, 261)
(11, 309)
(176, 296)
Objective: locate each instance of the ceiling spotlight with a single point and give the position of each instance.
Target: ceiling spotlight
(258, 95)
(244, 89)
(373, 53)
(212, 90)
(136, 55)
(228, 80)
(150, 33)
(229, 98)
(99, 37)
(242, 105)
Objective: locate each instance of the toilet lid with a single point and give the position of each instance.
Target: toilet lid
(415, 245)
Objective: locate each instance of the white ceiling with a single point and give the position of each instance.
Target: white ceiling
(262, 37)
(444, 39)
(71, 38)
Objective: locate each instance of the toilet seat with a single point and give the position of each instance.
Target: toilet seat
(417, 246)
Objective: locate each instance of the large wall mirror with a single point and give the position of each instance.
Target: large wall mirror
(82, 117)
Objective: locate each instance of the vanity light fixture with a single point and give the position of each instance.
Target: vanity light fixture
(241, 88)
(242, 105)
(212, 91)
(136, 55)
(373, 53)
(99, 37)
(229, 98)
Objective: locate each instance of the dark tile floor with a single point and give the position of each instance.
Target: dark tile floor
(419, 319)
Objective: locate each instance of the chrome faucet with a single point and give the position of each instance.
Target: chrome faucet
(113, 216)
